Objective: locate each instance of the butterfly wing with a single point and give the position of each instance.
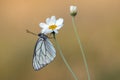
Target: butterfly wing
(44, 53)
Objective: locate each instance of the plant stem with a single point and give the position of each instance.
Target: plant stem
(80, 44)
(63, 58)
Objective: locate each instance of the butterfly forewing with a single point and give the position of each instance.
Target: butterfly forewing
(44, 52)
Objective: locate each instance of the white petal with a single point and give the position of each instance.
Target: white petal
(56, 31)
(46, 31)
(73, 8)
(58, 27)
(43, 25)
(52, 20)
(47, 21)
(59, 21)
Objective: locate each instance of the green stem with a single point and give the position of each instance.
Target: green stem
(80, 44)
(62, 56)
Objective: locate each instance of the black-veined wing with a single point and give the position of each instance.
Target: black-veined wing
(44, 52)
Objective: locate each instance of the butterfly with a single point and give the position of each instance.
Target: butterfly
(44, 52)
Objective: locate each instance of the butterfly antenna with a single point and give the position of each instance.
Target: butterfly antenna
(31, 32)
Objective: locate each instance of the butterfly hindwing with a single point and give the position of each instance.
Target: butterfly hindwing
(44, 53)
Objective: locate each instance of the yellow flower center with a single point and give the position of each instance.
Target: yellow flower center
(52, 27)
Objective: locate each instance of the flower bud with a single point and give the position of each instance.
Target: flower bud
(73, 10)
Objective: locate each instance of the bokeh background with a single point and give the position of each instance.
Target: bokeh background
(98, 24)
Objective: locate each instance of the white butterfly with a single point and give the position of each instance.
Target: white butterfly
(44, 52)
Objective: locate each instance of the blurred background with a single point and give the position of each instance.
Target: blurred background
(98, 24)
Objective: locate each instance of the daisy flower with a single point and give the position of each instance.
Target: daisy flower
(73, 10)
(51, 25)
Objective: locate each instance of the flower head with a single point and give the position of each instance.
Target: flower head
(51, 25)
(73, 10)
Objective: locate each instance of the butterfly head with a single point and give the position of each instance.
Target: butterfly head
(42, 35)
